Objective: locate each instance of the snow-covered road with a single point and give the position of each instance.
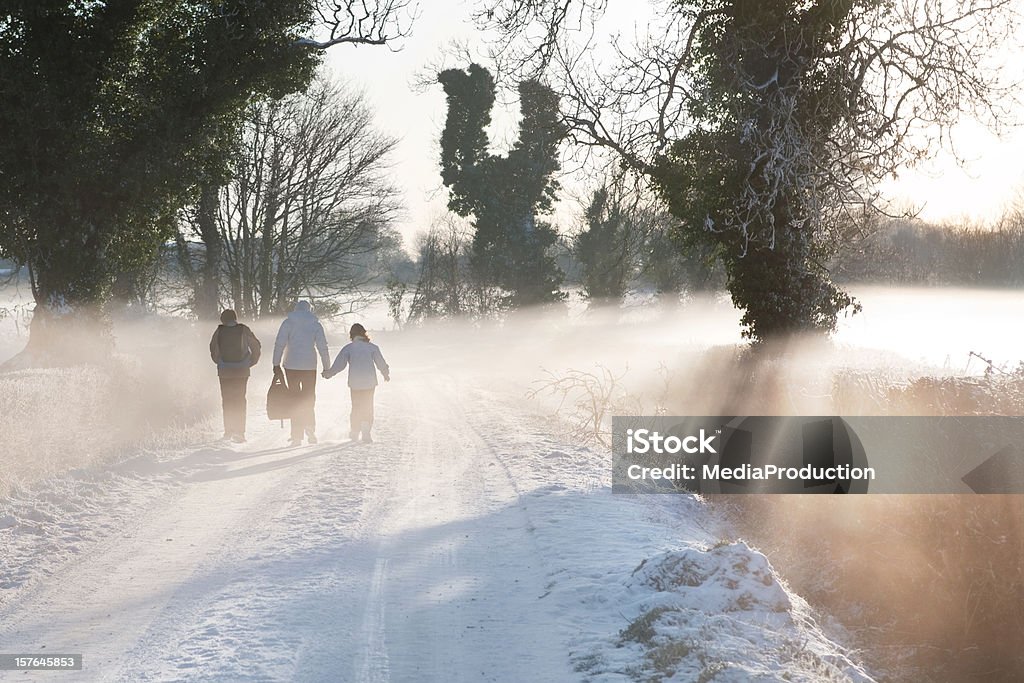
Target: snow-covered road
(464, 545)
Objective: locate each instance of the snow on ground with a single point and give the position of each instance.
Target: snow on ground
(467, 544)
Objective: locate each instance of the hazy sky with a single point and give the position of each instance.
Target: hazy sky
(993, 177)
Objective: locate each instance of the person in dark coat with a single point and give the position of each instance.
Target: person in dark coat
(235, 349)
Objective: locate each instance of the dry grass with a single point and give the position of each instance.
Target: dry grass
(929, 585)
(155, 393)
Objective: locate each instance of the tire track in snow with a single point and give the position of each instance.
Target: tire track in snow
(463, 575)
(374, 665)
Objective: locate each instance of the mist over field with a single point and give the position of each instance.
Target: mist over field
(932, 578)
(684, 358)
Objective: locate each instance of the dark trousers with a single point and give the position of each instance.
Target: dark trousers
(303, 386)
(232, 398)
(362, 411)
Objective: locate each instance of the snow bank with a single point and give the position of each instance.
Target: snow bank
(723, 613)
(648, 588)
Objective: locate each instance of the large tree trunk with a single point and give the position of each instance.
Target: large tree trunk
(778, 286)
(264, 284)
(207, 294)
(69, 324)
(203, 275)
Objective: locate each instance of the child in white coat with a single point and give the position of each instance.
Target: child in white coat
(363, 358)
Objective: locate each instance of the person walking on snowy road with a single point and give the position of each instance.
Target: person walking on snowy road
(235, 349)
(363, 359)
(299, 341)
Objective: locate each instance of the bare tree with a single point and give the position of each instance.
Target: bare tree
(913, 68)
(197, 268)
(307, 206)
(447, 284)
(358, 22)
(443, 255)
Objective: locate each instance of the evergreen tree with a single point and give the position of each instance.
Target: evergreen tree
(767, 107)
(111, 111)
(504, 194)
(607, 249)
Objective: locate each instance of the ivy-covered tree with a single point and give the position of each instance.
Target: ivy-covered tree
(112, 114)
(768, 125)
(505, 195)
(745, 177)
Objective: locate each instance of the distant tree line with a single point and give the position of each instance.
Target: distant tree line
(626, 244)
(624, 241)
(906, 252)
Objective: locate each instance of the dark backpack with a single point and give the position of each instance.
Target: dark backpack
(231, 340)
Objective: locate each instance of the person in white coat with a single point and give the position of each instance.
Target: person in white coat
(363, 358)
(299, 341)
